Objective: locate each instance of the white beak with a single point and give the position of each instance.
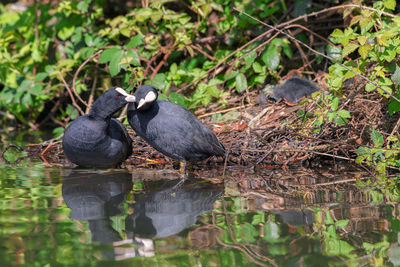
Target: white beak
(150, 97)
(128, 97)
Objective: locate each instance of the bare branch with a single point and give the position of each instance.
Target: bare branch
(71, 95)
(77, 73)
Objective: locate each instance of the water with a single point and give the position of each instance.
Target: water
(54, 216)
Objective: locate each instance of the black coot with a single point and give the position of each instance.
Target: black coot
(294, 89)
(170, 128)
(96, 139)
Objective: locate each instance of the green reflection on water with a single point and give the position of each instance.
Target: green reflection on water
(37, 228)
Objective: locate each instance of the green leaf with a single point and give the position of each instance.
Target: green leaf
(377, 138)
(257, 67)
(158, 81)
(156, 16)
(364, 50)
(362, 39)
(125, 32)
(178, 99)
(271, 57)
(108, 54)
(88, 40)
(288, 52)
(241, 82)
(337, 33)
(213, 91)
(388, 90)
(335, 52)
(249, 59)
(215, 81)
(331, 116)
(40, 76)
(231, 75)
(114, 65)
(173, 68)
(134, 57)
(79, 86)
(27, 100)
(83, 6)
(36, 55)
(66, 32)
(135, 41)
(335, 104)
(58, 131)
(389, 4)
(77, 36)
(340, 121)
(328, 218)
(25, 85)
(259, 79)
(394, 105)
(37, 89)
(349, 48)
(396, 75)
(276, 42)
(336, 82)
(369, 87)
(344, 114)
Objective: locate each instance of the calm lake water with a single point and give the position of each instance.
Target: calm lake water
(52, 216)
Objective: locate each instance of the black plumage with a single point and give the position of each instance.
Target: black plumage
(96, 139)
(170, 128)
(294, 89)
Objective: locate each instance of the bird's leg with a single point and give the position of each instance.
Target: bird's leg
(180, 183)
(189, 167)
(184, 170)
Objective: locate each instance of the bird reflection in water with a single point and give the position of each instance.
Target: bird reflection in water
(169, 210)
(95, 197)
(162, 212)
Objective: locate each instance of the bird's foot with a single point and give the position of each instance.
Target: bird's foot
(180, 183)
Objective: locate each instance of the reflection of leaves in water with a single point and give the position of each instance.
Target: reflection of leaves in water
(235, 233)
(337, 247)
(13, 154)
(37, 222)
(271, 232)
(264, 239)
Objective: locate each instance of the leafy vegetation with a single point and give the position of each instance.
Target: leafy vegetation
(35, 60)
(56, 58)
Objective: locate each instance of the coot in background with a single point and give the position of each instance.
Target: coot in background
(96, 139)
(294, 89)
(170, 128)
